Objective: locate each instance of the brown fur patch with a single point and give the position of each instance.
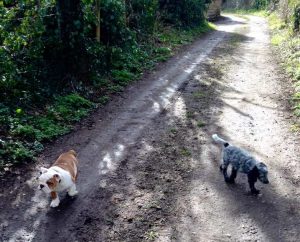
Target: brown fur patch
(53, 195)
(52, 183)
(68, 162)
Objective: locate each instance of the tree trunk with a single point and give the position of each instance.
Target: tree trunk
(98, 27)
(71, 35)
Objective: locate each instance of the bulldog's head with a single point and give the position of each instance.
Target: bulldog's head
(48, 180)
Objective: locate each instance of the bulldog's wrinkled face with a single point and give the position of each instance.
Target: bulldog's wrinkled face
(48, 180)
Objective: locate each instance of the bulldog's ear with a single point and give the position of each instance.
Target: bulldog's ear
(43, 170)
(56, 177)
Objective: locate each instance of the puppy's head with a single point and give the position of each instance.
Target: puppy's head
(262, 173)
(48, 180)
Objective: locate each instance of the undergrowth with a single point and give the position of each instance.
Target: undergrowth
(24, 132)
(287, 45)
(24, 129)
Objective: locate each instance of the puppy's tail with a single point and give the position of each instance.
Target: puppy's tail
(217, 139)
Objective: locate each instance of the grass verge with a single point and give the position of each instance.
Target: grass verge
(287, 46)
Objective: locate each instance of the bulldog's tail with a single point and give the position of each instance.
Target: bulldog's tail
(73, 152)
(217, 139)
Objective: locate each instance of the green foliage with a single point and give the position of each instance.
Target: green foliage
(24, 133)
(248, 6)
(48, 129)
(187, 13)
(70, 108)
(103, 100)
(141, 16)
(296, 18)
(287, 45)
(288, 10)
(242, 13)
(46, 54)
(123, 77)
(113, 23)
(162, 53)
(13, 152)
(163, 50)
(27, 132)
(261, 4)
(115, 88)
(21, 30)
(33, 62)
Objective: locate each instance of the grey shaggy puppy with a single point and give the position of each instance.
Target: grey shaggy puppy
(242, 162)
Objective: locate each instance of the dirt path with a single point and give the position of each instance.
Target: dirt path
(149, 170)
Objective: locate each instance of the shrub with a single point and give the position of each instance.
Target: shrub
(14, 152)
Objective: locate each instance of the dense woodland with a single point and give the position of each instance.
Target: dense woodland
(60, 59)
(49, 45)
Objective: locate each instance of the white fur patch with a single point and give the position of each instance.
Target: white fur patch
(65, 179)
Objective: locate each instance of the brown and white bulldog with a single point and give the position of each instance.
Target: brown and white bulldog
(61, 176)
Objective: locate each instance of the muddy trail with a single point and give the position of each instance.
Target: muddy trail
(149, 170)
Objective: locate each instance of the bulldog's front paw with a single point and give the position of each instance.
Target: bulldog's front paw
(54, 203)
(72, 193)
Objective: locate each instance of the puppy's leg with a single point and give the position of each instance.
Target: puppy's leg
(224, 167)
(232, 175)
(252, 178)
(221, 168)
(72, 191)
(222, 162)
(226, 178)
(55, 200)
